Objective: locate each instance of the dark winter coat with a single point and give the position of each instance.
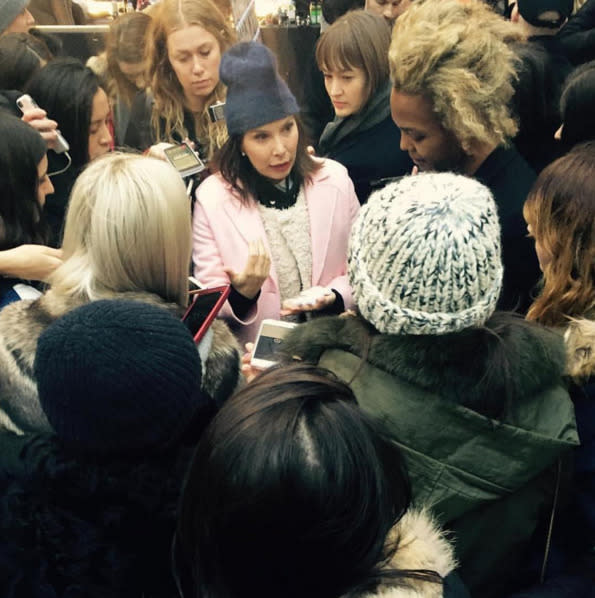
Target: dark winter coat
(21, 325)
(508, 176)
(73, 527)
(578, 35)
(482, 476)
(367, 144)
(372, 155)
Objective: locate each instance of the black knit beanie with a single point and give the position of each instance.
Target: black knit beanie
(118, 377)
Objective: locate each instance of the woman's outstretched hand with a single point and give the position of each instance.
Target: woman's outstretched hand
(312, 299)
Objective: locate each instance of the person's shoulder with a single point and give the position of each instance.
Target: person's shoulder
(330, 169)
(214, 191)
(331, 174)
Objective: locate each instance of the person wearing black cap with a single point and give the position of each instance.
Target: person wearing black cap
(90, 511)
(542, 69)
(274, 221)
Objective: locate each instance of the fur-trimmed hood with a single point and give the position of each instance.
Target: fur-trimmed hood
(580, 349)
(21, 325)
(422, 546)
(465, 368)
(478, 414)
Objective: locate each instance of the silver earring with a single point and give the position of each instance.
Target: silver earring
(244, 154)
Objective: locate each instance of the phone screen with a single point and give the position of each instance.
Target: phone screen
(270, 341)
(183, 158)
(200, 310)
(267, 347)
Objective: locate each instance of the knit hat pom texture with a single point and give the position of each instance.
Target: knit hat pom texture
(425, 256)
(256, 94)
(118, 377)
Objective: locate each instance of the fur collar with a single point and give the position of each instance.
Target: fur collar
(421, 545)
(21, 325)
(580, 349)
(508, 357)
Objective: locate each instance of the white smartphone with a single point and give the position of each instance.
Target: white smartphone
(184, 159)
(26, 103)
(268, 342)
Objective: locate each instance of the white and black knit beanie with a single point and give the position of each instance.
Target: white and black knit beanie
(424, 255)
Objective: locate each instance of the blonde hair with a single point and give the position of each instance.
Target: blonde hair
(127, 229)
(358, 39)
(561, 213)
(172, 15)
(457, 56)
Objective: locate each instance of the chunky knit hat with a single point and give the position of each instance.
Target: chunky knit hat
(256, 94)
(9, 10)
(424, 255)
(118, 377)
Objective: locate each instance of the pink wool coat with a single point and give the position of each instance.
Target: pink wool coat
(223, 227)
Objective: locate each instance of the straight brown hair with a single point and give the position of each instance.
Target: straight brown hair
(561, 212)
(358, 39)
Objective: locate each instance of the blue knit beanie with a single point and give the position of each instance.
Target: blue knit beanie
(256, 94)
(118, 378)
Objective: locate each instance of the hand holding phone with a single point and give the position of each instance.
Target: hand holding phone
(184, 159)
(203, 310)
(268, 342)
(311, 299)
(52, 135)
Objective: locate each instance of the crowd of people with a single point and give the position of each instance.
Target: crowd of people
(426, 224)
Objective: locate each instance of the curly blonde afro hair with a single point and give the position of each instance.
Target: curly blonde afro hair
(456, 53)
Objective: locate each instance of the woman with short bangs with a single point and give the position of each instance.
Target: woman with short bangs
(183, 51)
(353, 57)
(274, 222)
(560, 215)
(127, 236)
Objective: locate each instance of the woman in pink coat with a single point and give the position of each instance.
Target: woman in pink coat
(274, 222)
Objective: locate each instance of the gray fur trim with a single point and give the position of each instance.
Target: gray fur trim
(22, 323)
(459, 367)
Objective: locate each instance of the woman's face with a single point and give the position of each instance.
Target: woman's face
(100, 136)
(44, 185)
(22, 23)
(134, 72)
(272, 148)
(346, 89)
(194, 55)
(430, 146)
